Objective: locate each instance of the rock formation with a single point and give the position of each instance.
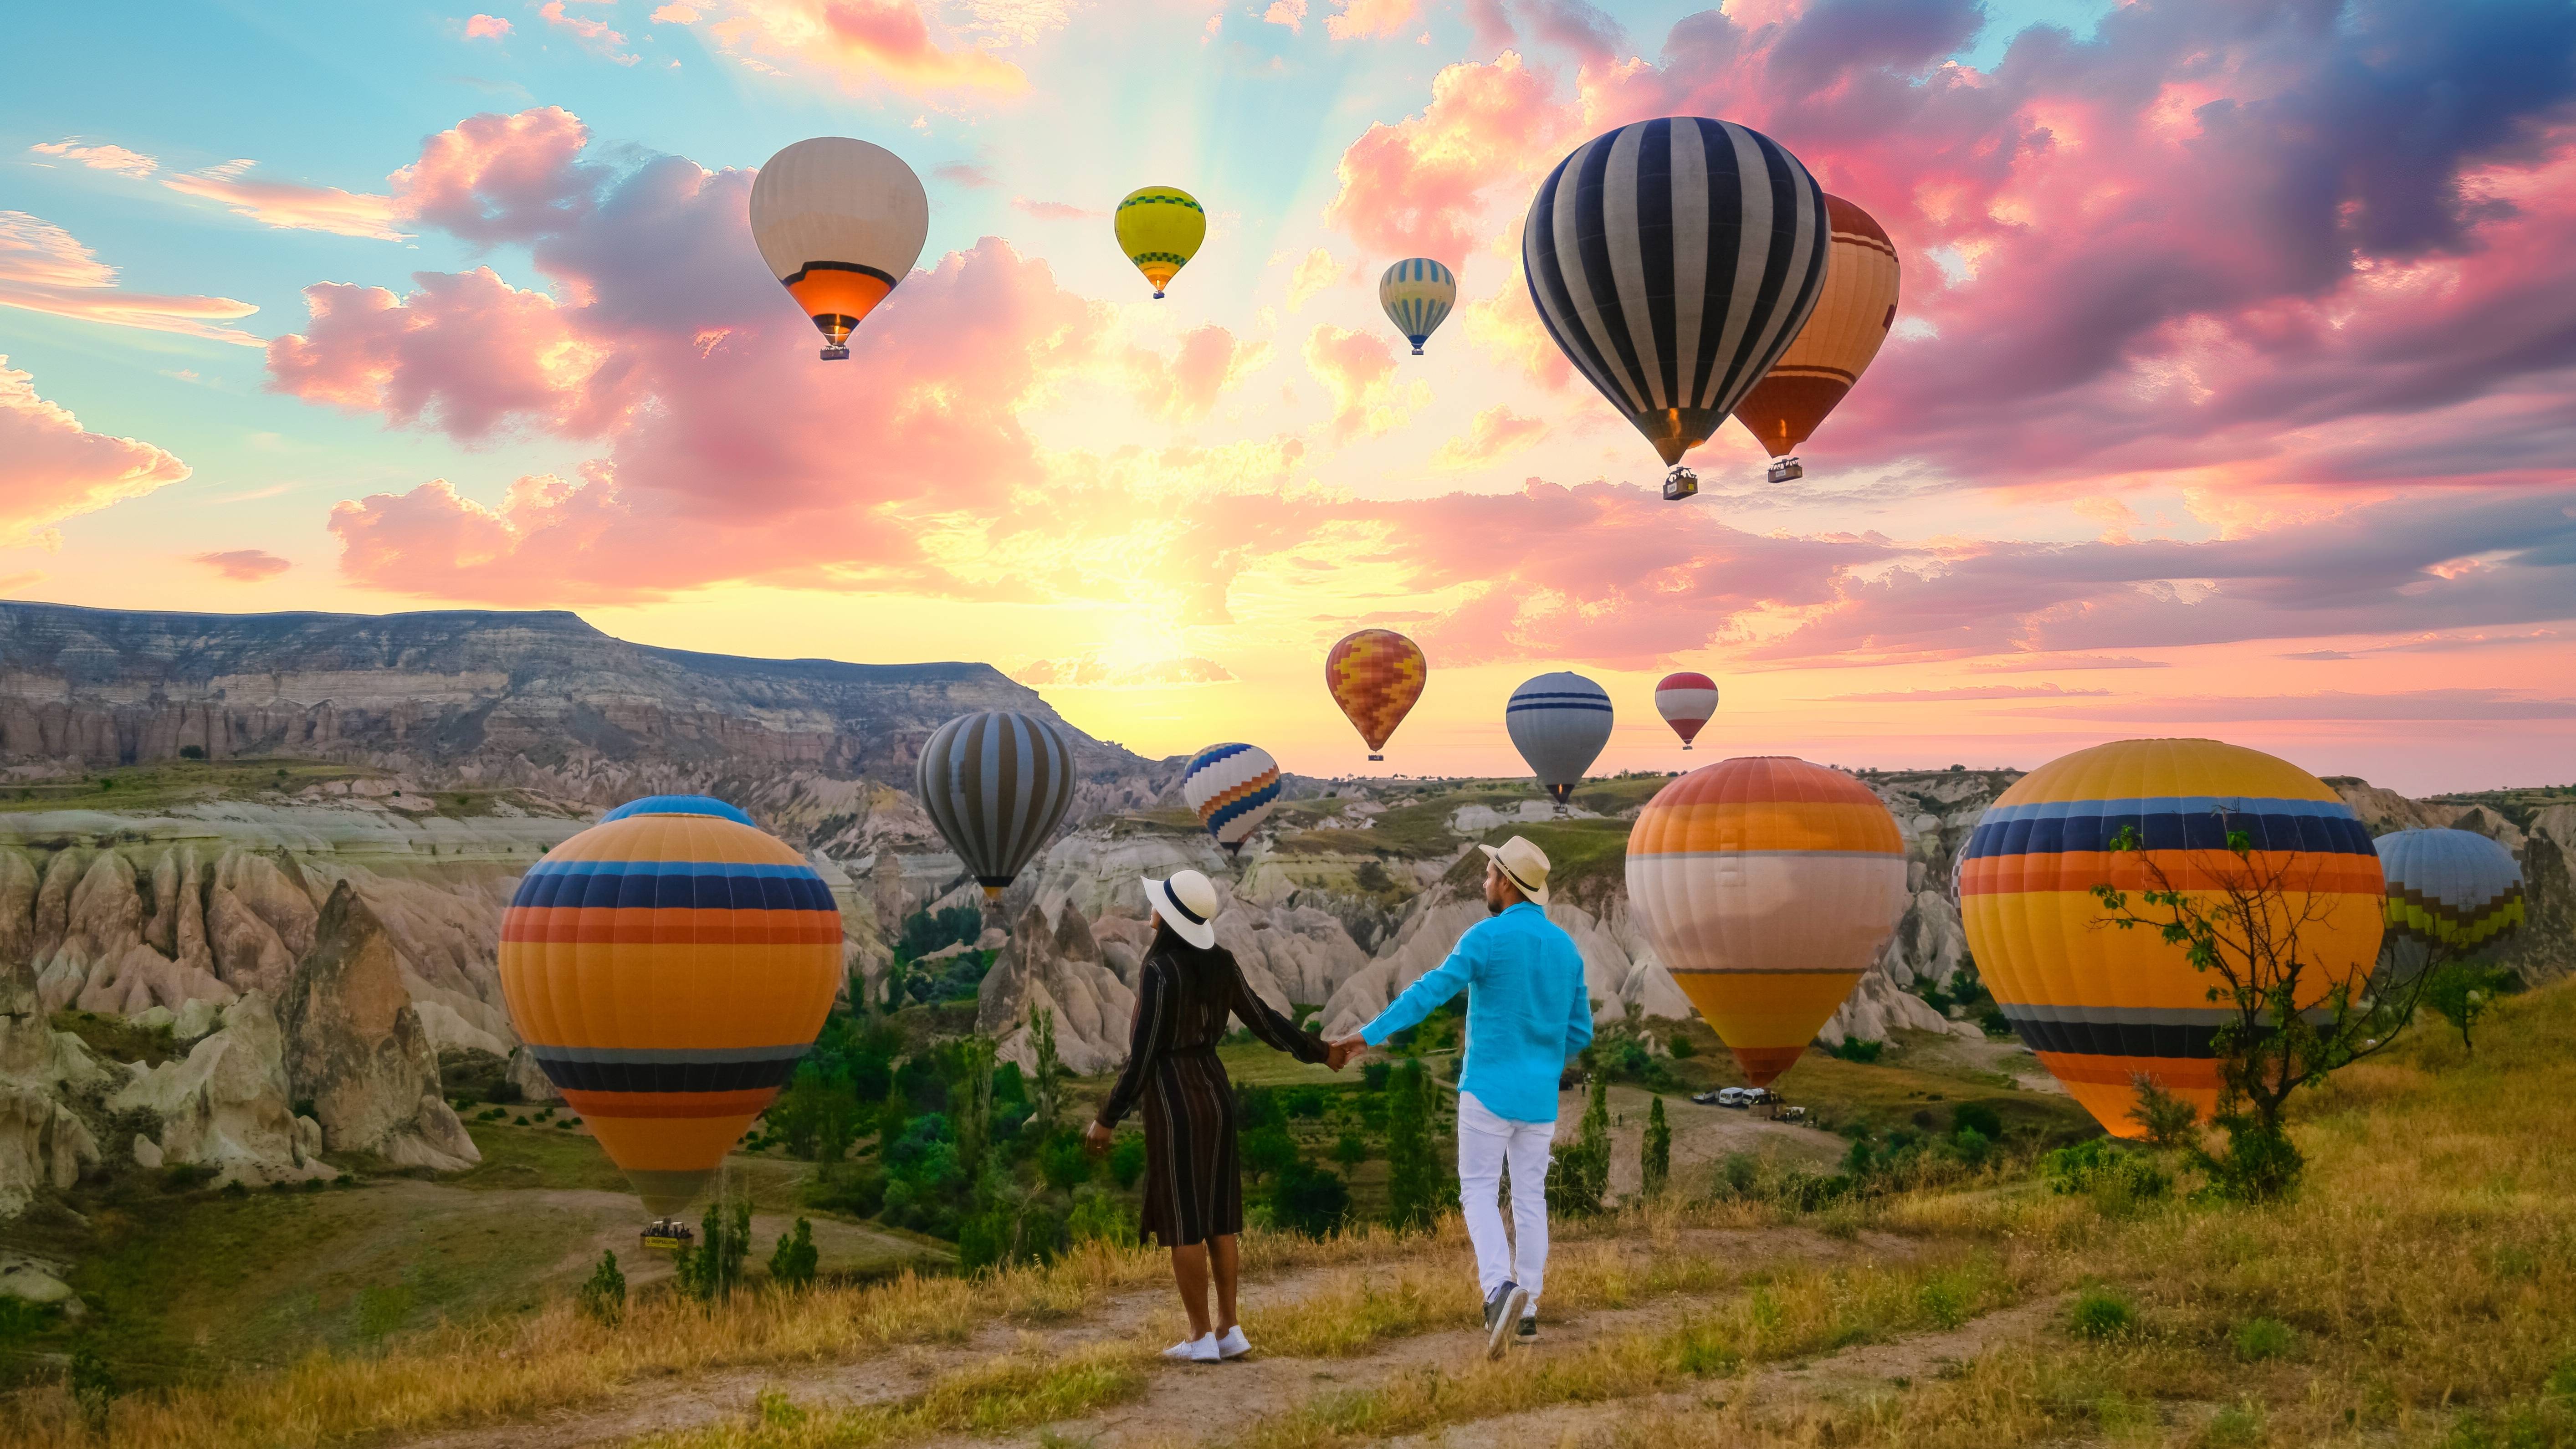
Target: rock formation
(227, 1105)
(356, 1050)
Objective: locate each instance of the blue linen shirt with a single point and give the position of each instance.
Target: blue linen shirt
(1527, 1010)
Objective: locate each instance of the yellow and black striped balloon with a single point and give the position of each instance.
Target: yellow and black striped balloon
(667, 968)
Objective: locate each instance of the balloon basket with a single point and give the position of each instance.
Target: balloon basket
(1417, 352)
(1679, 484)
(1685, 749)
(1785, 469)
(1377, 757)
(836, 354)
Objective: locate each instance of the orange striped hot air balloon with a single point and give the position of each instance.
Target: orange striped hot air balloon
(2100, 1007)
(667, 967)
(1767, 885)
(1375, 676)
(1842, 335)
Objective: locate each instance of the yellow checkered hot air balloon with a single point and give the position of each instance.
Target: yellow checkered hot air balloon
(1160, 228)
(1767, 885)
(668, 967)
(2103, 1008)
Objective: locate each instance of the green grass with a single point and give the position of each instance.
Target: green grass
(166, 783)
(118, 1039)
(537, 1157)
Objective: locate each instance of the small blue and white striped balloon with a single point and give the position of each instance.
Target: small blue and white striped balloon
(1559, 722)
(1417, 294)
(1233, 788)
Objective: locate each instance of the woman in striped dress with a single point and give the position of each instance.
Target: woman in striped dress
(1193, 1178)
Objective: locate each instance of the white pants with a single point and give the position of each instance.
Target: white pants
(1486, 1144)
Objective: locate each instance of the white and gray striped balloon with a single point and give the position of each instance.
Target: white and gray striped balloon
(1674, 260)
(1559, 722)
(997, 784)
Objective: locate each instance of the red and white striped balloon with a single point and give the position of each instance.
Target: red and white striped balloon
(1686, 701)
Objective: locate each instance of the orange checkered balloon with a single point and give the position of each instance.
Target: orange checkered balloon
(1375, 676)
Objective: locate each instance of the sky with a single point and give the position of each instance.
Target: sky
(2230, 393)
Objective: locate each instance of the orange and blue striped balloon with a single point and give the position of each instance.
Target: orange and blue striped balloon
(2103, 1007)
(667, 968)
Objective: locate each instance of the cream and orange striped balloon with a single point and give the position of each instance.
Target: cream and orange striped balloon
(1842, 335)
(1767, 885)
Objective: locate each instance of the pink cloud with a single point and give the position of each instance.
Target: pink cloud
(51, 468)
(1497, 433)
(964, 173)
(100, 158)
(595, 36)
(1421, 187)
(1368, 19)
(43, 268)
(466, 351)
(244, 565)
(493, 178)
(859, 44)
(1289, 13)
(1358, 371)
(289, 206)
(1186, 388)
(486, 27)
(1054, 210)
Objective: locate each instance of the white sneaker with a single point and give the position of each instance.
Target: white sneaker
(1194, 1350)
(1234, 1344)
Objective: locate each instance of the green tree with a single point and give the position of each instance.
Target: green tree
(1415, 1190)
(603, 1297)
(1655, 1152)
(1581, 1173)
(973, 1110)
(1350, 1150)
(1268, 1151)
(1064, 1163)
(1127, 1161)
(1307, 1199)
(2254, 924)
(793, 1262)
(710, 1270)
(1050, 1069)
(2460, 991)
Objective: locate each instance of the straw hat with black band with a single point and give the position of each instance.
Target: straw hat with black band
(1523, 864)
(1187, 903)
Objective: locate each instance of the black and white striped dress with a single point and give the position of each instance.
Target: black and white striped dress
(1193, 1174)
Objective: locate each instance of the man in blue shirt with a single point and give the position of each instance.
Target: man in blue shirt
(1527, 1012)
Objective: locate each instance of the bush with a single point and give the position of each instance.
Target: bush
(603, 1298)
(1304, 1102)
(2261, 1338)
(1309, 1200)
(1127, 1161)
(1268, 1152)
(1099, 1218)
(1853, 1049)
(1994, 1023)
(2110, 1174)
(1681, 1046)
(845, 1188)
(1737, 1175)
(1978, 1117)
(1375, 1075)
(181, 1176)
(1655, 1150)
(192, 752)
(1256, 1108)
(792, 1264)
(1064, 1163)
(2102, 1313)
(1350, 1150)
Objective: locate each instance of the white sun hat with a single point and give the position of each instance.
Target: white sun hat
(1523, 864)
(1188, 903)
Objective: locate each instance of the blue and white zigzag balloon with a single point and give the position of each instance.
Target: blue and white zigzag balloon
(1233, 788)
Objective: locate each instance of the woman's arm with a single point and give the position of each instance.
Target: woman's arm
(1266, 1023)
(1153, 1032)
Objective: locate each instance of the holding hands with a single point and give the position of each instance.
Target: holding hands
(1339, 1053)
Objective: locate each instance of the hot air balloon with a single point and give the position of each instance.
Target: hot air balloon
(1686, 701)
(1559, 722)
(996, 784)
(2454, 891)
(840, 222)
(1233, 788)
(1830, 353)
(2101, 1008)
(667, 968)
(1767, 885)
(1673, 261)
(1160, 228)
(1417, 294)
(1375, 676)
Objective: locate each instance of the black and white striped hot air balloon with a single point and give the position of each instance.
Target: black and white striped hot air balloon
(996, 784)
(1674, 261)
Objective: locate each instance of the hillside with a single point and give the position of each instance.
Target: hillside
(1945, 1305)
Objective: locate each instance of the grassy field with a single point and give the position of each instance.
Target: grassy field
(2417, 1290)
(166, 783)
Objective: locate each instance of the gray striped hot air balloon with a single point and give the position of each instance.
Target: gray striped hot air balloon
(996, 784)
(1559, 722)
(1674, 261)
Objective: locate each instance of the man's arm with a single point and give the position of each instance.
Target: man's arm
(1578, 1030)
(1426, 995)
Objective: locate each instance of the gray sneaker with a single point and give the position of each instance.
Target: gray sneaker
(1502, 1310)
(1528, 1333)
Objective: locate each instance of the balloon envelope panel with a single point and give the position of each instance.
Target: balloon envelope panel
(1767, 885)
(2101, 1006)
(1673, 261)
(1842, 335)
(1559, 722)
(996, 784)
(1375, 676)
(1233, 788)
(2453, 888)
(667, 971)
(840, 222)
